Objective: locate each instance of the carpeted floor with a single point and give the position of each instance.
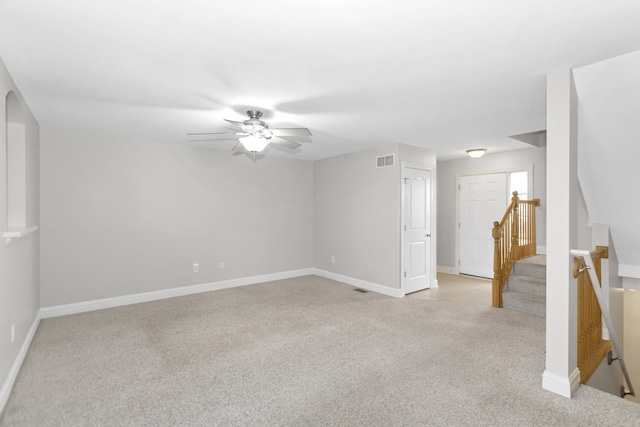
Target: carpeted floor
(300, 352)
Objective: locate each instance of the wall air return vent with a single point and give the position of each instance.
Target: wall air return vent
(384, 161)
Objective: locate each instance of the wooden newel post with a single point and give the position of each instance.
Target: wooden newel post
(515, 227)
(497, 267)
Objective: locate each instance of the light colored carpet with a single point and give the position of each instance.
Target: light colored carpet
(298, 352)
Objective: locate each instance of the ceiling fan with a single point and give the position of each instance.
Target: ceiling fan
(256, 134)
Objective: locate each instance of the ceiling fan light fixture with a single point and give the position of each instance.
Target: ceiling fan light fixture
(254, 143)
(256, 134)
(476, 152)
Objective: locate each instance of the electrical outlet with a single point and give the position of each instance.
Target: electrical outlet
(333, 259)
(13, 332)
(196, 268)
(222, 265)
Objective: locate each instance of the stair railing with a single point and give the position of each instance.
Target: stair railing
(591, 309)
(592, 348)
(514, 238)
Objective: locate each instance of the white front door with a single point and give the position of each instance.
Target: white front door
(482, 200)
(417, 230)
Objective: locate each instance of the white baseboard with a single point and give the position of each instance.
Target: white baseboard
(560, 385)
(81, 307)
(370, 286)
(5, 392)
(448, 270)
(541, 250)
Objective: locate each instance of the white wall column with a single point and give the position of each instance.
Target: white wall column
(561, 374)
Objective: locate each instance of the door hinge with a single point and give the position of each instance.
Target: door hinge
(405, 228)
(405, 274)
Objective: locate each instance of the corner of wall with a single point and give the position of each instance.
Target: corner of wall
(19, 275)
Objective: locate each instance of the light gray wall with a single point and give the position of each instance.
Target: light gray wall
(448, 171)
(419, 155)
(122, 216)
(357, 216)
(19, 260)
(609, 97)
(583, 225)
(357, 213)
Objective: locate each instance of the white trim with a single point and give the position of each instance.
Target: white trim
(631, 271)
(541, 250)
(560, 385)
(81, 307)
(14, 233)
(5, 392)
(370, 286)
(447, 270)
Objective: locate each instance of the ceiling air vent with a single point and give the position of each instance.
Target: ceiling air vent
(384, 161)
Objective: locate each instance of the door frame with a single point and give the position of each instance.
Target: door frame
(433, 281)
(525, 168)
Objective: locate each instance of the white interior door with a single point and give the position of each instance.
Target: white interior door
(482, 200)
(417, 230)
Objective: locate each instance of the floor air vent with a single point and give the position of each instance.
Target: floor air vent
(384, 161)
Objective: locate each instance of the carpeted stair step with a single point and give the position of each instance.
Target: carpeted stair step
(535, 266)
(527, 303)
(527, 285)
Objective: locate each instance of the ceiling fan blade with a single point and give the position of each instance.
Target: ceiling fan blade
(234, 122)
(235, 147)
(285, 143)
(290, 131)
(216, 133)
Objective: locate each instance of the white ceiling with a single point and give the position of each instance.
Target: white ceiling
(443, 74)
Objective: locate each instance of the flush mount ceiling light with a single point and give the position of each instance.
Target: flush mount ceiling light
(476, 152)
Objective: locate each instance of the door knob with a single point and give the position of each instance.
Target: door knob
(427, 235)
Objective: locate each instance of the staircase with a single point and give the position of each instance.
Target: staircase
(526, 286)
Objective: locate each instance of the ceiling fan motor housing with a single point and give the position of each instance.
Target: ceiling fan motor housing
(254, 121)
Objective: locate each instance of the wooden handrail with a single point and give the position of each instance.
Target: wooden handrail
(514, 238)
(592, 349)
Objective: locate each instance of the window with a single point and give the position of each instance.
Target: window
(519, 181)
